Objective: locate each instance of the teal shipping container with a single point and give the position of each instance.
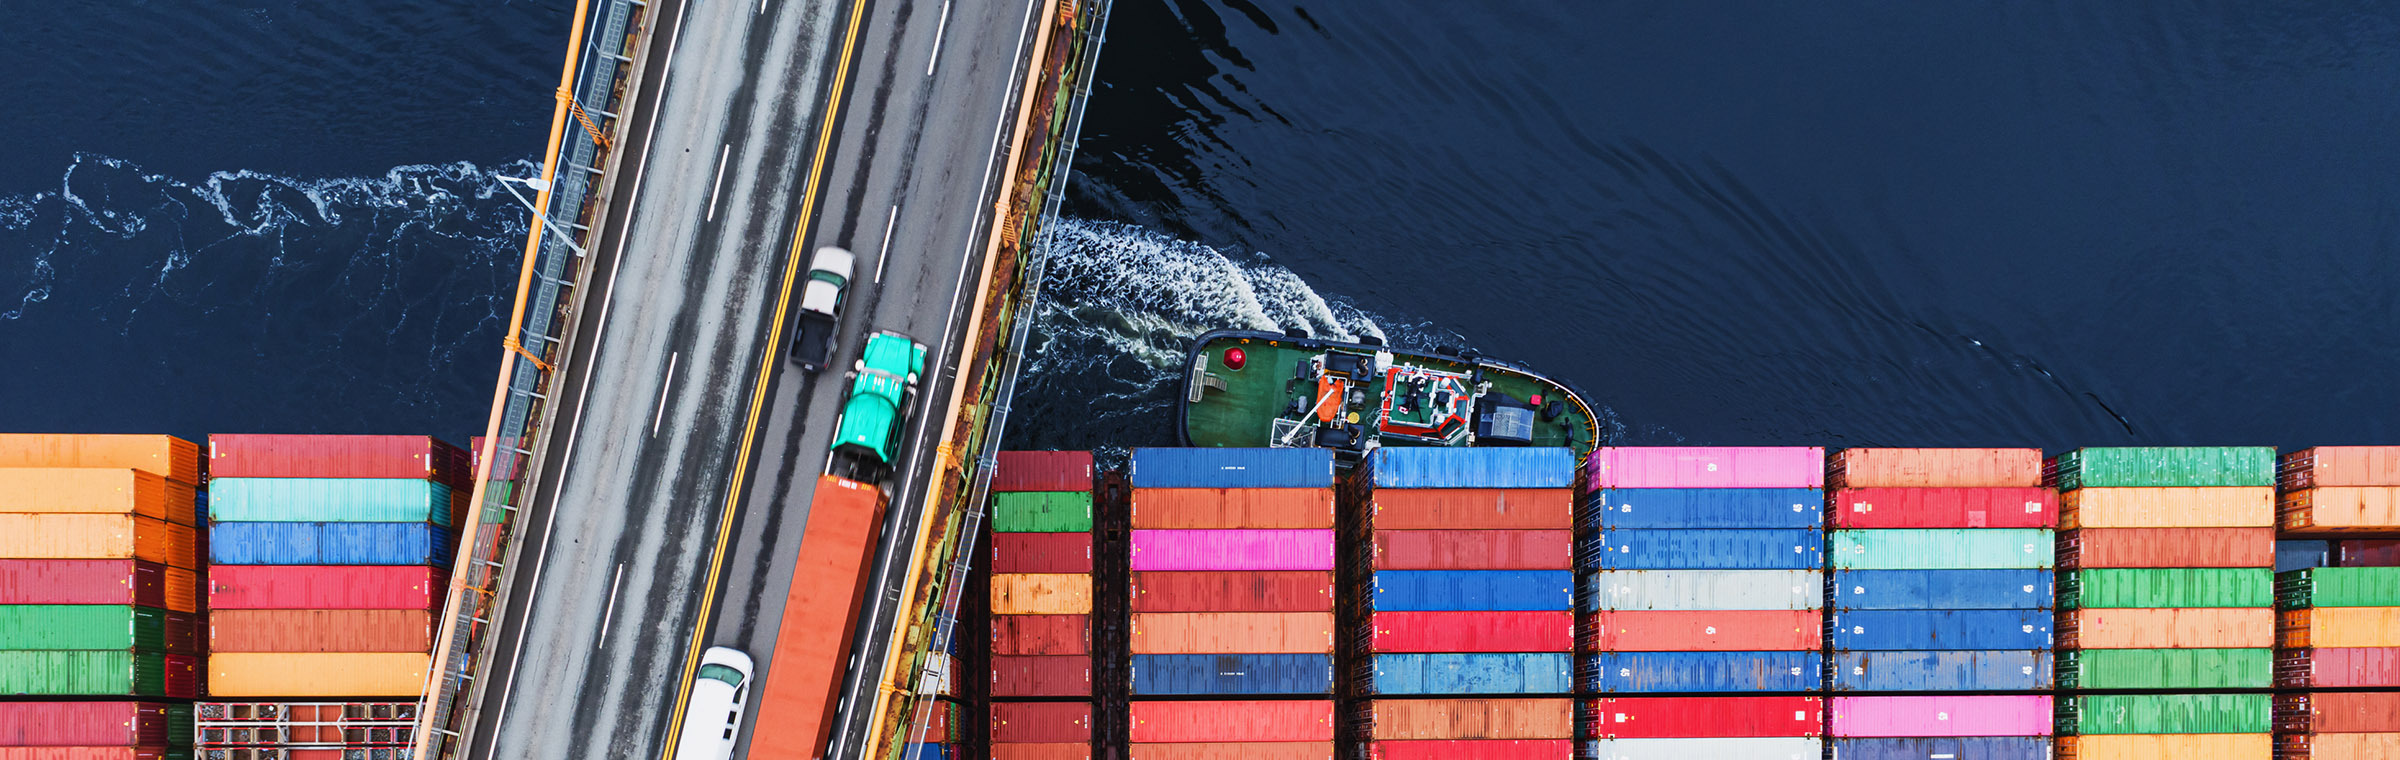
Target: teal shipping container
(97, 626)
(1529, 673)
(2165, 466)
(383, 500)
(2121, 588)
(1944, 549)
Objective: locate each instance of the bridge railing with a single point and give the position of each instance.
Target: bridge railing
(570, 198)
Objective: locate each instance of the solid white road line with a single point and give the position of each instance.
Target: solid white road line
(719, 185)
(884, 254)
(612, 601)
(938, 28)
(662, 393)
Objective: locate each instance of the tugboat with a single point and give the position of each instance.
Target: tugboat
(1254, 389)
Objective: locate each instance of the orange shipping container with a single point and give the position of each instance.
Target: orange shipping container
(320, 631)
(1041, 594)
(165, 456)
(1232, 633)
(1041, 751)
(95, 491)
(2223, 507)
(2363, 746)
(1222, 751)
(1393, 719)
(96, 537)
(1233, 508)
(316, 674)
(2341, 509)
(1488, 508)
(2167, 746)
(2338, 627)
(2167, 547)
(1935, 468)
(2340, 466)
(2178, 628)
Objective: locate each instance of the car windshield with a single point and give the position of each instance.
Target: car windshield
(721, 673)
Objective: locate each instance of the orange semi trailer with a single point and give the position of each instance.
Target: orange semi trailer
(812, 644)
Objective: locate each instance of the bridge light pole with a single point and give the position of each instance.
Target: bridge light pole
(539, 185)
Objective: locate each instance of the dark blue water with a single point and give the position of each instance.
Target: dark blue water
(1829, 223)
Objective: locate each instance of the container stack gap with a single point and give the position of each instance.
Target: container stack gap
(2166, 585)
(1231, 601)
(1039, 674)
(1941, 582)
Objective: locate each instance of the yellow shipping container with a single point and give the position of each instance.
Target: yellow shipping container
(1232, 633)
(97, 537)
(2228, 507)
(2336, 627)
(2175, 628)
(1041, 594)
(56, 490)
(2341, 509)
(317, 674)
(165, 456)
(2167, 747)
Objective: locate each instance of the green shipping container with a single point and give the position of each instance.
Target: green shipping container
(328, 500)
(2166, 714)
(92, 626)
(2167, 587)
(2156, 466)
(2338, 587)
(2166, 669)
(113, 673)
(1042, 512)
(1943, 549)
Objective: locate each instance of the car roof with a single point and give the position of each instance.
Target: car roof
(835, 260)
(727, 656)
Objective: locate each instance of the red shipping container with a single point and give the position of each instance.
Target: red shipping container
(412, 457)
(1233, 591)
(1042, 471)
(120, 753)
(1704, 630)
(1229, 751)
(79, 724)
(2166, 547)
(1943, 508)
(184, 673)
(2372, 553)
(1697, 717)
(1048, 751)
(1474, 549)
(1041, 634)
(2338, 712)
(98, 581)
(326, 587)
(2337, 668)
(320, 631)
(1472, 508)
(1041, 676)
(1233, 721)
(1474, 631)
(1472, 749)
(1041, 722)
(1042, 553)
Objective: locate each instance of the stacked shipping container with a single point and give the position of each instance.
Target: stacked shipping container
(1041, 605)
(329, 554)
(1461, 579)
(1940, 582)
(2168, 556)
(2339, 627)
(2337, 725)
(1690, 728)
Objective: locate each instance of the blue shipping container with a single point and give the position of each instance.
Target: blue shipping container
(1637, 549)
(1987, 670)
(1531, 673)
(1960, 747)
(1173, 674)
(1684, 508)
(1485, 467)
(1473, 590)
(1897, 630)
(1660, 672)
(329, 500)
(928, 751)
(2302, 555)
(1232, 468)
(290, 543)
(1943, 590)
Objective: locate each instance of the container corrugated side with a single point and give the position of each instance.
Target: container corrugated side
(1231, 632)
(2338, 712)
(2167, 547)
(2337, 668)
(2166, 668)
(1231, 468)
(2167, 628)
(2166, 714)
(379, 500)
(1041, 676)
(2163, 466)
(2338, 627)
(98, 673)
(1041, 722)
(2002, 589)
(1471, 749)
(1041, 594)
(1474, 549)
(2339, 466)
(1430, 719)
(88, 536)
(2339, 587)
(1459, 590)
(1233, 591)
(2340, 509)
(1702, 717)
(1042, 512)
(1052, 751)
(1645, 549)
(1231, 721)
(1041, 471)
(1706, 590)
(1473, 673)
(2167, 587)
(2336, 746)
(1706, 467)
(1233, 508)
(1899, 630)
(2367, 553)
(320, 631)
(1472, 632)
(55, 490)
(94, 724)
(1946, 715)
(1703, 630)
(2161, 746)
(1041, 634)
(1041, 552)
(326, 587)
(325, 543)
(1226, 751)
(1758, 748)
(2213, 507)
(1934, 468)
(1973, 670)
(1688, 508)
(98, 581)
(98, 626)
(1232, 674)
(1867, 508)
(337, 456)
(1943, 549)
(1471, 467)
(166, 456)
(1925, 747)
(1669, 672)
(1478, 508)
(1232, 550)
(317, 674)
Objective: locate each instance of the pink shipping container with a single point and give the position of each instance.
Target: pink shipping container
(1232, 550)
(411, 457)
(1941, 716)
(83, 724)
(105, 753)
(2337, 668)
(326, 587)
(1706, 467)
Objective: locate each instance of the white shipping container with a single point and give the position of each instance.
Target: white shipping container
(1704, 590)
(1777, 748)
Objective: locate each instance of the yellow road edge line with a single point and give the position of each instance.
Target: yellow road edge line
(758, 395)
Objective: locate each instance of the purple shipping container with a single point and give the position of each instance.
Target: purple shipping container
(1705, 467)
(1232, 550)
(1941, 716)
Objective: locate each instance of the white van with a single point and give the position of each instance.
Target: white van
(713, 716)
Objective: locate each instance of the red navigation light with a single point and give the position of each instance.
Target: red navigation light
(1234, 358)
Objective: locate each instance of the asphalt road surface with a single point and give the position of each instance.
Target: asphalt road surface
(673, 371)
